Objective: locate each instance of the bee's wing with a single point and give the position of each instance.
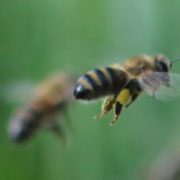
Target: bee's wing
(160, 85)
(17, 92)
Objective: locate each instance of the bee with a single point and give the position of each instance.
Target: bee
(51, 98)
(122, 84)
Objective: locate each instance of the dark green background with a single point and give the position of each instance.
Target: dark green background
(39, 37)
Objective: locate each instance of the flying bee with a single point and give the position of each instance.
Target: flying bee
(122, 84)
(51, 98)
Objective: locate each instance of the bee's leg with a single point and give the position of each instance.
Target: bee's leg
(121, 99)
(62, 108)
(118, 108)
(59, 131)
(68, 121)
(133, 98)
(66, 116)
(106, 106)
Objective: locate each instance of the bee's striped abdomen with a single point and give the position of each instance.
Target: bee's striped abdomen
(105, 80)
(24, 125)
(119, 79)
(100, 82)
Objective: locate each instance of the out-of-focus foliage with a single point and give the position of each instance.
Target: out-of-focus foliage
(39, 37)
(166, 166)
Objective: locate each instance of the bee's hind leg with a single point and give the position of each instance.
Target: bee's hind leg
(121, 99)
(118, 108)
(133, 98)
(59, 131)
(106, 106)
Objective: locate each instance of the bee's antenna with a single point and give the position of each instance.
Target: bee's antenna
(174, 60)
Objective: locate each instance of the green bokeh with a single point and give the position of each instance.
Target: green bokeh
(40, 37)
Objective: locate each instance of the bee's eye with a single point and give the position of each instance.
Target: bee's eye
(161, 66)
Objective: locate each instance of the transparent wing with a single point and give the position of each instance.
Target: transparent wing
(160, 85)
(17, 92)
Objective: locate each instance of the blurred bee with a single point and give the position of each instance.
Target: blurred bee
(51, 98)
(122, 84)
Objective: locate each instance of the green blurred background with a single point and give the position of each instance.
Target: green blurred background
(40, 37)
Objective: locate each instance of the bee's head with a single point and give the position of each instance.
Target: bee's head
(162, 63)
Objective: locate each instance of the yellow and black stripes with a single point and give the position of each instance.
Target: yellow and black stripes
(100, 82)
(118, 79)
(25, 124)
